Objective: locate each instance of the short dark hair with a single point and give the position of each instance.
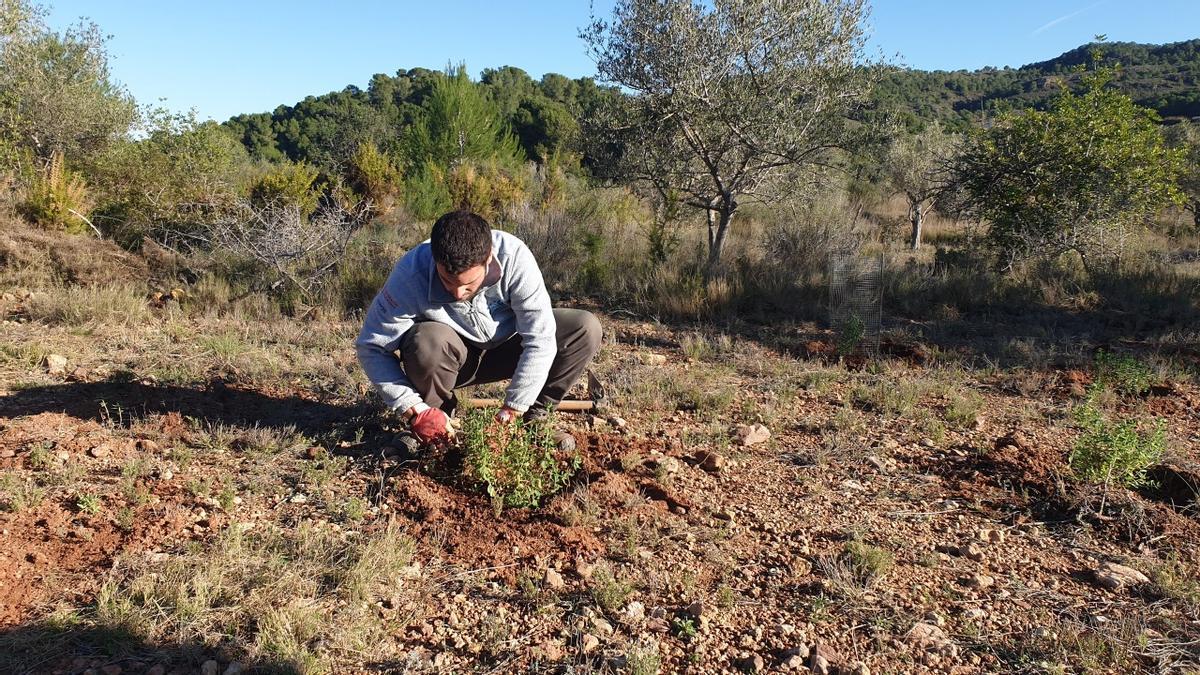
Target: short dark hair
(461, 240)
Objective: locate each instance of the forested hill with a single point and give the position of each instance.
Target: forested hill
(1163, 77)
(544, 114)
(324, 130)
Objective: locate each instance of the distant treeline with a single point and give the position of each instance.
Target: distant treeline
(324, 130)
(544, 114)
(1165, 78)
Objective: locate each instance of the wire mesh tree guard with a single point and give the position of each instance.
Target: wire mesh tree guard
(856, 302)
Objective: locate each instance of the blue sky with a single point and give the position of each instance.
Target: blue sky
(224, 58)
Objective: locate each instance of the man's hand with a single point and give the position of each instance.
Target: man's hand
(506, 415)
(431, 426)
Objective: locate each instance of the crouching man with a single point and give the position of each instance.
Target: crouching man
(469, 306)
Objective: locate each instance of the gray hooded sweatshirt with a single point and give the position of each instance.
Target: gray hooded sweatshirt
(513, 300)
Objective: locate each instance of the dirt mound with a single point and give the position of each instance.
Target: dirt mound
(66, 258)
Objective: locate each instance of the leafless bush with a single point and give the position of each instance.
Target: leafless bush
(300, 252)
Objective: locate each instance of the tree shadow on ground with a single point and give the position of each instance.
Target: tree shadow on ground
(974, 325)
(68, 647)
(126, 402)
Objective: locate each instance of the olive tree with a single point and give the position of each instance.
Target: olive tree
(728, 98)
(918, 167)
(1078, 177)
(55, 92)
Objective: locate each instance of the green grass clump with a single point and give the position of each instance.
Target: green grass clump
(519, 464)
(868, 563)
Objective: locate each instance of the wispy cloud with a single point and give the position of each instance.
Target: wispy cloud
(1066, 17)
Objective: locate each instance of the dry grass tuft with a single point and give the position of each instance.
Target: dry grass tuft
(299, 597)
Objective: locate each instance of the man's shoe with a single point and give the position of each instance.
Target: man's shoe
(563, 440)
(405, 446)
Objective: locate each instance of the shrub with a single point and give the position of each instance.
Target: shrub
(486, 189)
(519, 464)
(1120, 452)
(373, 175)
(1125, 374)
(289, 184)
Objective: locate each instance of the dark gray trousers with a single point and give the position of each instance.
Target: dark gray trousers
(437, 360)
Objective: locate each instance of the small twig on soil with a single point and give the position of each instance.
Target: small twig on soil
(898, 514)
(459, 575)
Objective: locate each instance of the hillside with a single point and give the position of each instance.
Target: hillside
(1162, 77)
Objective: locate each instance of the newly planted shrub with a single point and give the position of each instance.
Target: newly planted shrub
(1119, 452)
(518, 463)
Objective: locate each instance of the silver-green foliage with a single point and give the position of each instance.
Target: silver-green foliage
(729, 98)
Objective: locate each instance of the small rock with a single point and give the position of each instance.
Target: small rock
(711, 462)
(553, 579)
(6, 453)
(972, 552)
(858, 668)
(299, 498)
(635, 611)
(111, 669)
(979, 581)
(793, 662)
(589, 643)
(618, 422)
(853, 485)
(234, 668)
(935, 619)
(698, 610)
(882, 465)
(754, 664)
(801, 650)
(752, 434)
(210, 667)
(928, 442)
(584, 569)
(651, 359)
(991, 536)
(931, 639)
(1115, 576)
(157, 669)
(602, 627)
(99, 451)
(819, 665)
(548, 651)
(55, 364)
(975, 614)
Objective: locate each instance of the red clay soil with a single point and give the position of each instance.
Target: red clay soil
(464, 524)
(54, 546)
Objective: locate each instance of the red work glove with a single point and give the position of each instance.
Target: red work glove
(431, 426)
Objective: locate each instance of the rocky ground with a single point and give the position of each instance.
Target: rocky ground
(188, 493)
